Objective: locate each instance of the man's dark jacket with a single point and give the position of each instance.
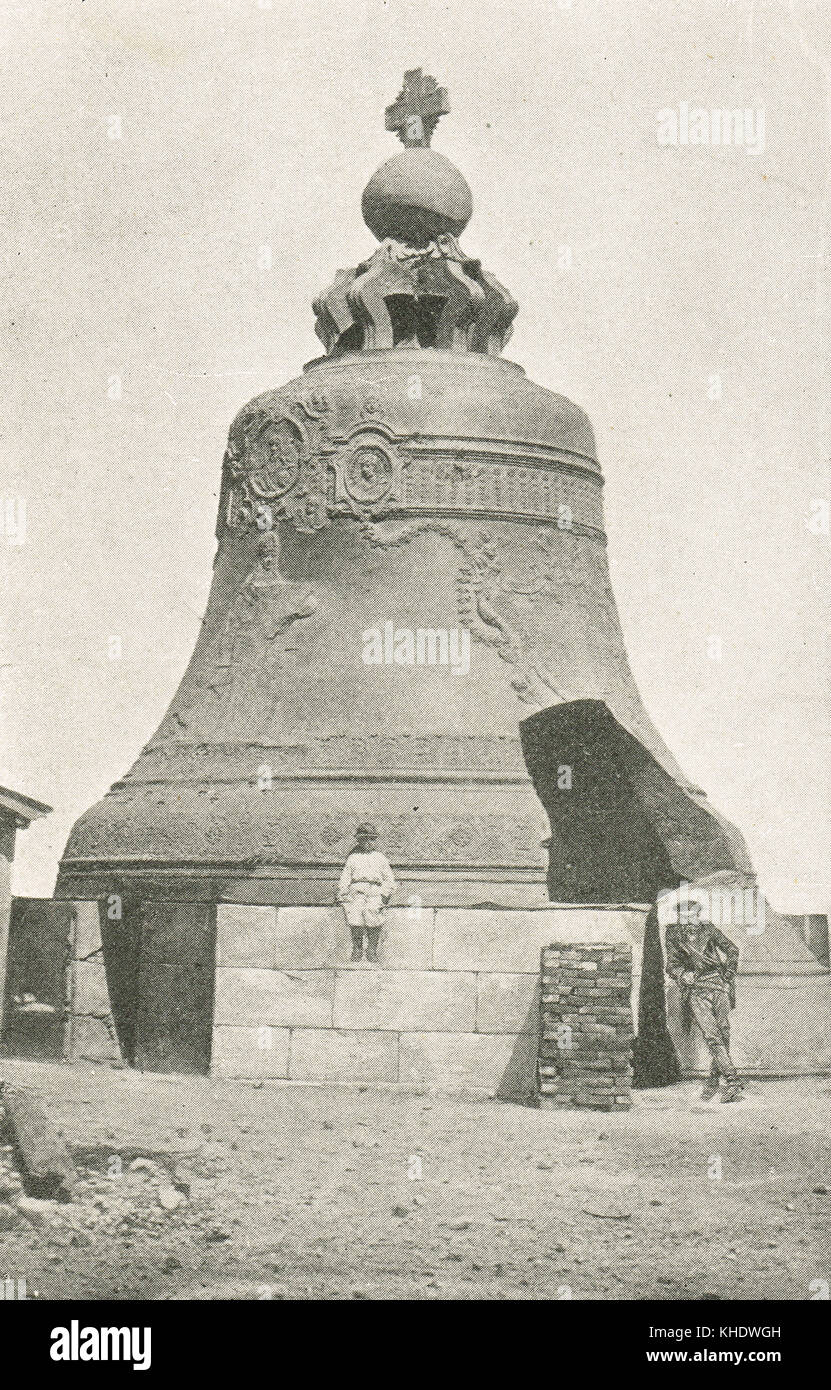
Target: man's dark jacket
(711, 956)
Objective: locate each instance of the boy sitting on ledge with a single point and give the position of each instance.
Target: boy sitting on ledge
(365, 888)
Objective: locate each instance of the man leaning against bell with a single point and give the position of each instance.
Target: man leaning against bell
(703, 962)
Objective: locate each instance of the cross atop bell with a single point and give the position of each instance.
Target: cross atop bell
(417, 109)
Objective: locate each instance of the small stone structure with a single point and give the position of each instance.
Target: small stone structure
(16, 813)
(586, 1026)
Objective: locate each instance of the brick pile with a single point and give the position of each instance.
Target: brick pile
(586, 1033)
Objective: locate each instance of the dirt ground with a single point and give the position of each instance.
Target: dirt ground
(199, 1189)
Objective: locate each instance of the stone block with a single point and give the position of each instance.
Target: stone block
(92, 1040)
(87, 936)
(246, 936)
(407, 938)
(418, 1000)
(282, 998)
(782, 1024)
(510, 941)
(311, 937)
(90, 994)
(337, 1055)
(507, 1004)
(503, 1065)
(255, 1053)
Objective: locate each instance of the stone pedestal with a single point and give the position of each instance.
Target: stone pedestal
(454, 1002)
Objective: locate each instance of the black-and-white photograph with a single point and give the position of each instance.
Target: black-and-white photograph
(414, 671)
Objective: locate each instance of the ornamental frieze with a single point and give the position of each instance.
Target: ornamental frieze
(352, 754)
(493, 486)
(241, 828)
(291, 466)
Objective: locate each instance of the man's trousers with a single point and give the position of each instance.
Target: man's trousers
(711, 1010)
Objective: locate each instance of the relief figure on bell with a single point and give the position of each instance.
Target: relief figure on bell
(242, 693)
(257, 646)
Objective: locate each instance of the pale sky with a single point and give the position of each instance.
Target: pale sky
(243, 124)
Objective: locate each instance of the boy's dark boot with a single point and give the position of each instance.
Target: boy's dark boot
(372, 936)
(357, 943)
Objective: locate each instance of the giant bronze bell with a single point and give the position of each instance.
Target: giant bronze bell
(412, 492)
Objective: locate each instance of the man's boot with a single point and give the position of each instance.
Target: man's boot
(734, 1090)
(372, 935)
(357, 943)
(710, 1087)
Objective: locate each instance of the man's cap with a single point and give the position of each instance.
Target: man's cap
(366, 832)
(673, 902)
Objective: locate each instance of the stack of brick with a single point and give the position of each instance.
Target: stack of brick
(586, 1034)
